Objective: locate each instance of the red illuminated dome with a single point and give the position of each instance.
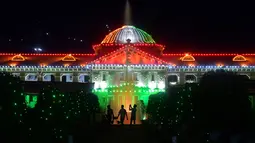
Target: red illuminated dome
(128, 33)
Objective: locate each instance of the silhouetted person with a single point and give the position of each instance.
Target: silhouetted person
(122, 114)
(110, 115)
(133, 113)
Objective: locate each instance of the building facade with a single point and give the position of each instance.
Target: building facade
(127, 67)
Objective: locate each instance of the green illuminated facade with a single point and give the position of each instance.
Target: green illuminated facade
(127, 85)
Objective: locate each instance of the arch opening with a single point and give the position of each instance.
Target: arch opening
(48, 77)
(173, 79)
(246, 76)
(83, 78)
(66, 78)
(190, 78)
(31, 77)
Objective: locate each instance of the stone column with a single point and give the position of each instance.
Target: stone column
(22, 76)
(57, 77)
(75, 77)
(182, 78)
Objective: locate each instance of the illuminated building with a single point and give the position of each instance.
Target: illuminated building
(126, 67)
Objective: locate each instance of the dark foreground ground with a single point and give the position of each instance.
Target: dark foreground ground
(118, 134)
(95, 134)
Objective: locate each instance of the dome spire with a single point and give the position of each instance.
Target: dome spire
(127, 13)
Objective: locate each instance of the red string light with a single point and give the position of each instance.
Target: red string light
(110, 54)
(140, 51)
(152, 57)
(44, 54)
(120, 47)
(210, 54)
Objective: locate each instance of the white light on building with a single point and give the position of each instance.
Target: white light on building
(38, 49)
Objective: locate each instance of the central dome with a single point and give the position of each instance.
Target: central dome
(128, 33)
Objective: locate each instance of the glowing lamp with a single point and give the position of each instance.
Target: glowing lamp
(161, 85)
(172, 83)
(220, 65)
(103, 85)
(244, 65)
(152, 85)
(12, 65)
(69, 58)
(239, 58)
(191, 65)
(139, 84)
(96, 85)
(18, 58)
(43, 65)
(37, 49)
(188, 58)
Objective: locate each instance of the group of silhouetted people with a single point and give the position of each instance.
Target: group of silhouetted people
(122, 114)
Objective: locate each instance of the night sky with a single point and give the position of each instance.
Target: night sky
(181, 25)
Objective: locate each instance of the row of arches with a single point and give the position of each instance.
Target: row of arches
(49, 77)
(174, 79)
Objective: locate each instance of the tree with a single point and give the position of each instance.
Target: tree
(48, 116)
(12, 104)
(182, 114)
(222, 103)
(156, 108)
(93, 105)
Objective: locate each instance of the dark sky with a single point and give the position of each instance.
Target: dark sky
(181, 25)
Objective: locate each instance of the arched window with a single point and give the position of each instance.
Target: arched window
(190, 78)
(18, 58)
(239, 58)
(188, 58)
(69, 58)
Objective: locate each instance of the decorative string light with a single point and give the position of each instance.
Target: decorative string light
(120, 35)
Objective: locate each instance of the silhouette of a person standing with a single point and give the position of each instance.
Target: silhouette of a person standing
(122, 114)
(110, 115)
(133, 113)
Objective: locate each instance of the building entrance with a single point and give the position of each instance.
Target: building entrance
(125, 99)
(126, 94)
